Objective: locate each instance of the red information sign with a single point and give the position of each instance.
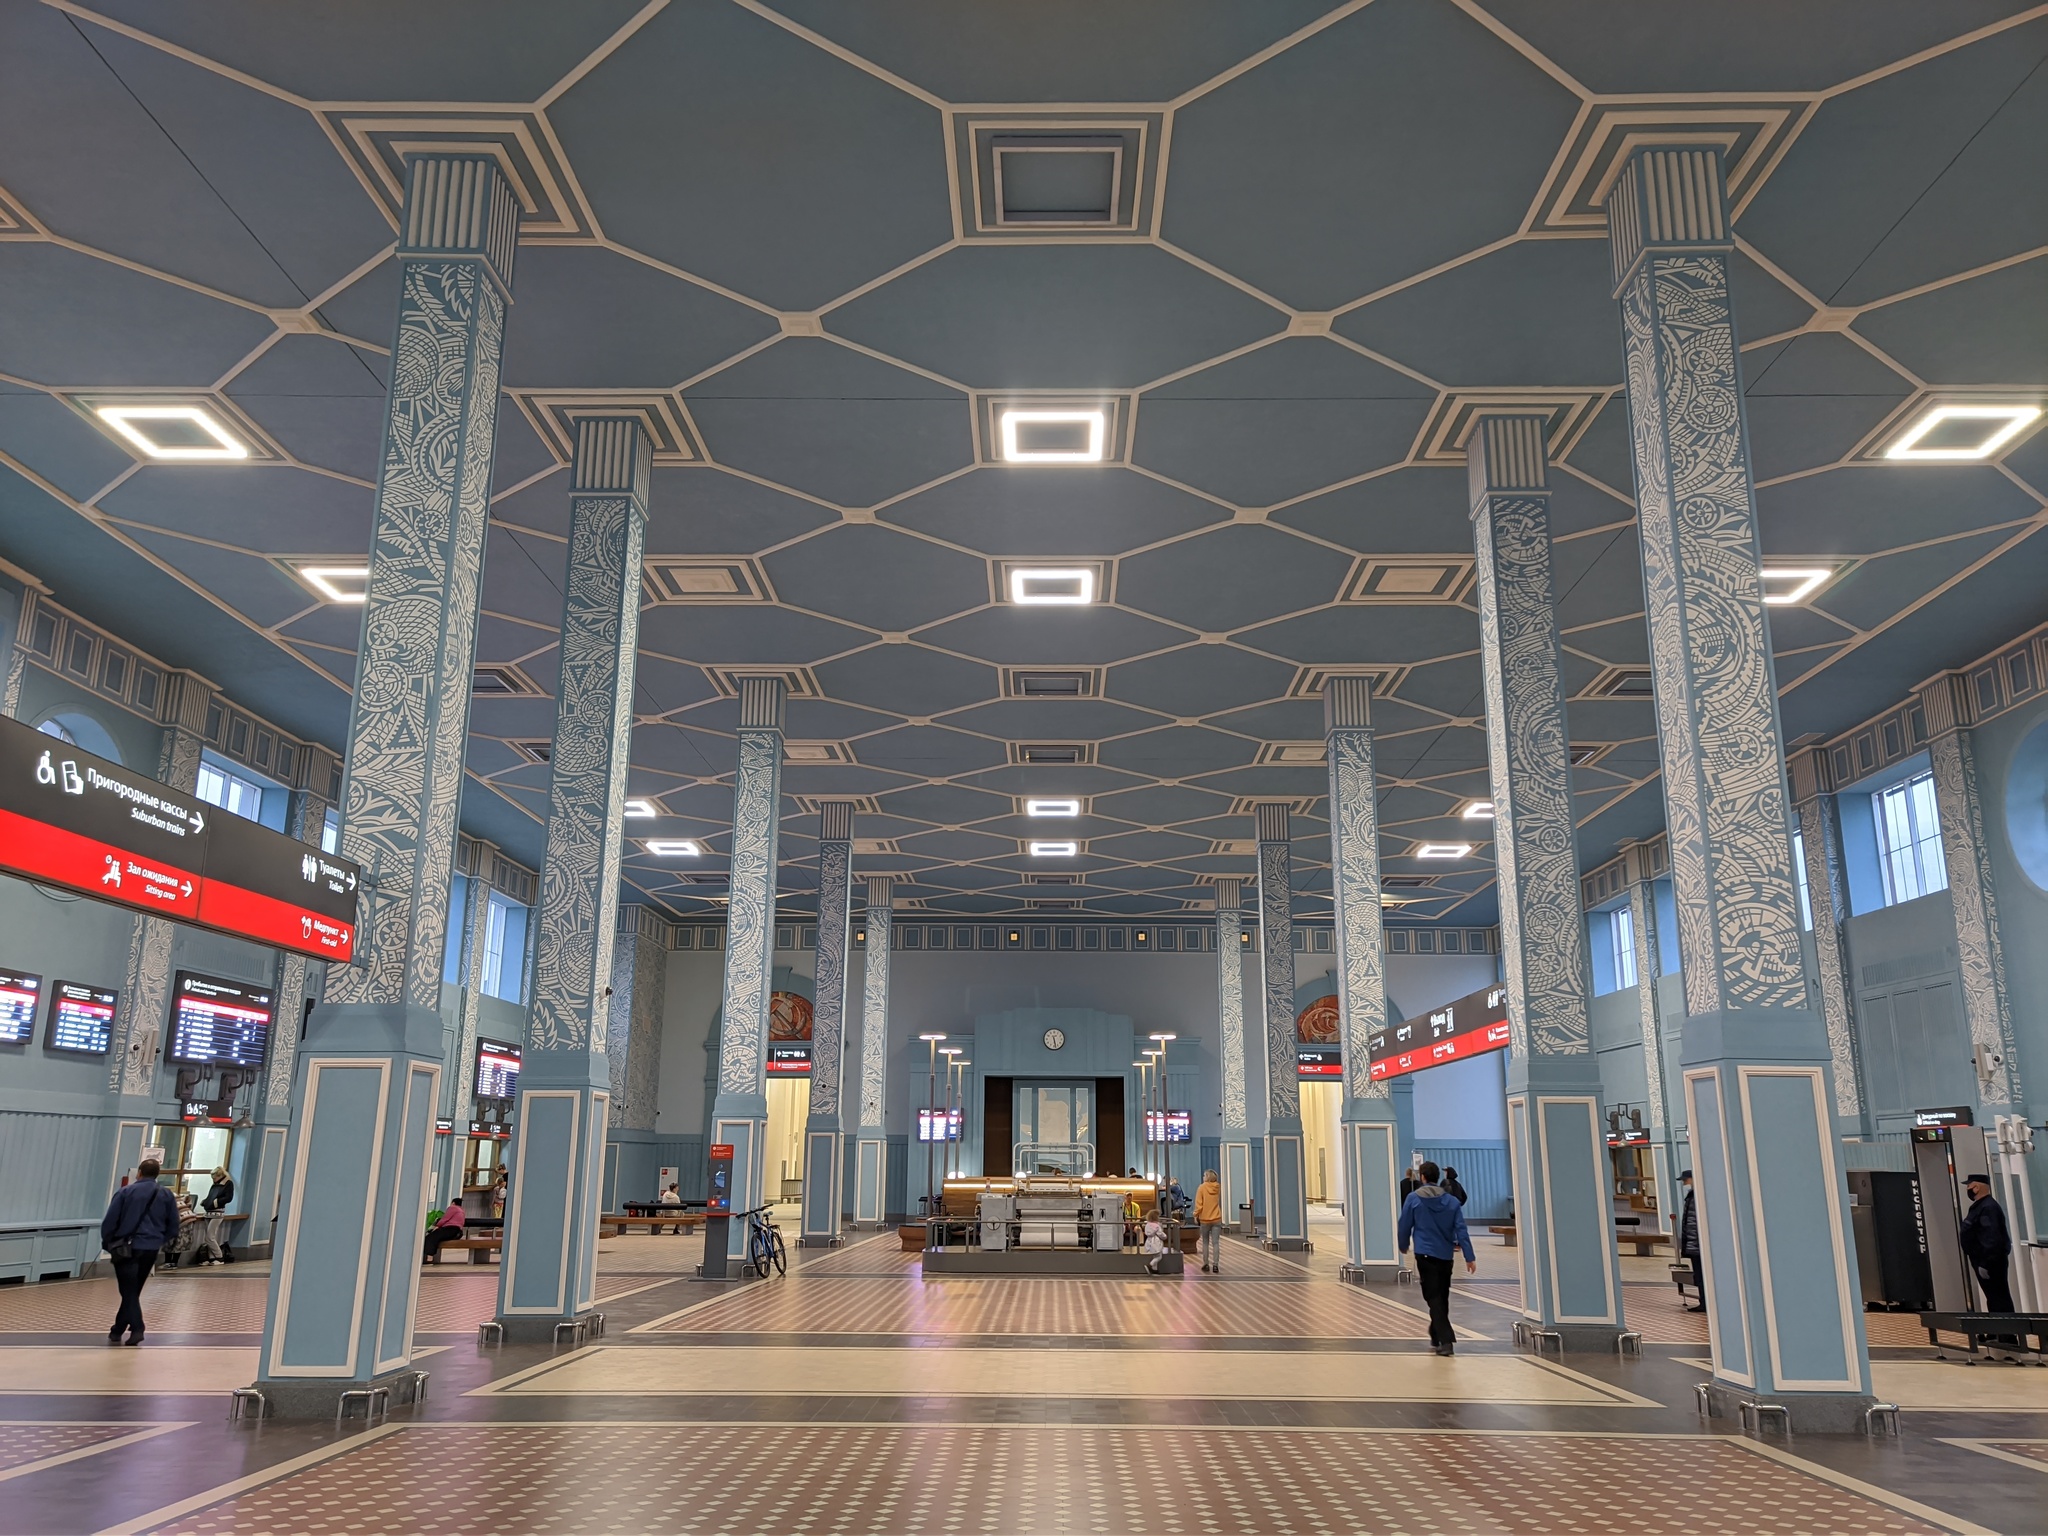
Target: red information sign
(1471, 1026)
(72, 819)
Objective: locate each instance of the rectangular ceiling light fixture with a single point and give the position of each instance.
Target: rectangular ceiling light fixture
(1443, 851)
(1477, 810)
(640, 810)
(1948, 433)
(1786, 586)
(1067, 586)
(1052, 807)
(673, 847)
(1054, 436)
(198, 437)
(1062, 850)
(338, 583)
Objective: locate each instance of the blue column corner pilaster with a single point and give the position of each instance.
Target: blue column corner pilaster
(824, 1133)
(1784, 1307)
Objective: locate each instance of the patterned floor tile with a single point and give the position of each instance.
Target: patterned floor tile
(1656, 1313)
(831, 1478)
(1047, 1307)
(28, 1448)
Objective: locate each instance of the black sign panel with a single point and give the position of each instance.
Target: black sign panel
(19, 994)
(1471, 1026)
(1958, 1114)
(497, 1070)
(79, 821)
(81, 1019)
(219, 1023)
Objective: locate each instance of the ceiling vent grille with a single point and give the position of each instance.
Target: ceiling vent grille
(808, 805)
(1621, 683)
(1052, 682)
(1248, 805)
(1410, 580)
(534, 751)
(504, 680)
(1053, 879)
(799, 682)
(1291, 754)
(1407, 882)
(813, 754)
(705, 579)
(1025, 174)
(1587, 753)
(1053, 906)
(1308, 682)
(1052, 753)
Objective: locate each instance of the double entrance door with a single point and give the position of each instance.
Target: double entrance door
(1052, 1111)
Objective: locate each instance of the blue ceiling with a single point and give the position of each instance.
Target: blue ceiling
(757, 223)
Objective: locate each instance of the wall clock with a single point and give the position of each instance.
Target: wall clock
(1055, 1038)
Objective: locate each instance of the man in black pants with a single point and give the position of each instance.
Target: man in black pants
(1435, 1221)
(141, 1218)
(1987, 1244)
(1689, 1241)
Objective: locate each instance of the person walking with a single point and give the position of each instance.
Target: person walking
(1453, 1188)
(1209, 1217)
(1689, 1240)
(1434, 1220)
(141, 1218)
(215, 1208)
(1987, 1244)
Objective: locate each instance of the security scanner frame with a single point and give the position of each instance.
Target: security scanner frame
(1052, 1216)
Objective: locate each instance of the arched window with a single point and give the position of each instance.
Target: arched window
(80, 730)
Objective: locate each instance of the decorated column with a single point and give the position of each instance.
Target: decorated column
(1950, 708)
(1236, 1172)
(1371, 1157)
(633, 1045)
(475, 860)
(1783, 1305)
(871, 1139)
(345, 1272)
(1818, 818)
(1649, 951)
(1557, 1147)
(824, 1135)
(739, 1114)
(1286, 1194)
(549, 1270)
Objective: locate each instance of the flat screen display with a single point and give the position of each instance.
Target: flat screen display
(497, 1070)
(1169, 1125)
(1471, 1026)
(81, 1018)
(219, 1023)
(938, 1125)
(20, 993)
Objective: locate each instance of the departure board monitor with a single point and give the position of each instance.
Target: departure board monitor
(81, 1018)
(497, 1070)
(219, 1023)
(20, 994)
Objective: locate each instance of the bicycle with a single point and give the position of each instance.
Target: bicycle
(764, 1244)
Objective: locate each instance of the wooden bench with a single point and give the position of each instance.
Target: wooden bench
(1504, 1230)
(620, 1225)
(481, 1249)
(1646, 1243)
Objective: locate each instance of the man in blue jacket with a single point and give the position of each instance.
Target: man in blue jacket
(141, 1218)
(1435, 1220)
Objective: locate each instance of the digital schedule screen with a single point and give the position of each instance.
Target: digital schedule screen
(219, 1023)
(81, 1018)
(19, 995)
(1172, 1125)
(497, 1070)
(938, 1125)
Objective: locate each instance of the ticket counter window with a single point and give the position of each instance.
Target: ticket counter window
(197, 1150)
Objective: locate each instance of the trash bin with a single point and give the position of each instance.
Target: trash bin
(1244, 1221)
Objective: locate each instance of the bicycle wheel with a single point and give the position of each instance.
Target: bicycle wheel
(779, 1252)
(759, 1254)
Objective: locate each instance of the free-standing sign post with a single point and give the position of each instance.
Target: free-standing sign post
(717, 1210)
(72, 819)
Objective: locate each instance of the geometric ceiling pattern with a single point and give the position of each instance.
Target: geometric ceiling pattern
(1332, 233)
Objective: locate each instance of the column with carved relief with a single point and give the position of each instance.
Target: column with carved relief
(824, 1132)
(1817, 814)
(1239, 1187)
(1784, 1308)
(1286, 1204)
(871, 1135)
(1557, 1145)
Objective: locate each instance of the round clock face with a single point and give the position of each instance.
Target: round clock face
(1055, 1038)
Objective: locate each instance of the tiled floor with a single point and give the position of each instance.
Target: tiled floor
(854, 1395)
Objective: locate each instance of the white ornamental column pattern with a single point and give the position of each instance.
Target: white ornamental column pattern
(409, 717)
(633, 1038)
(1276, 961)
(476, 914)
(1827, 898)
(874, 1020)
(835, 910)
(297, 976)
(750, 914)
(1230, 1008)
(1355, 877)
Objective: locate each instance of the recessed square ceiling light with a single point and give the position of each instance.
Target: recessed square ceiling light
(1053, 437)
(2003, 423)
(639, 810)
(673, 847)
(1786, 585)
(1063, 585)
(1477, 810)
(224, 444)
(1052, 807)
(1053, 850)
(338, 583)
(1443, 850)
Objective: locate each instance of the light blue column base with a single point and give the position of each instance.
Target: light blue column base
(1371, 1176)
(632, 1168)
(870, 1176)
(1286, 1192)
(1564, 1206)
(548, 1270)
(344, 1282)
(824, 1176)
(1236, 1174)
(741, 1120)
(1784, 1307)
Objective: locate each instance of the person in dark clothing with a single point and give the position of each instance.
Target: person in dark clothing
(1435, 1222)
(215, 1208)
(1689, 1240)
(1452, 1187)
(1409, 1183)
(1987, 1244)
(141, 1218)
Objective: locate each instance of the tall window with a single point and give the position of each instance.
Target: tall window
(505, 950)
(1621, 929)
(1909, 840)
(1799, 879)
(231, 792)
(330, 832)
